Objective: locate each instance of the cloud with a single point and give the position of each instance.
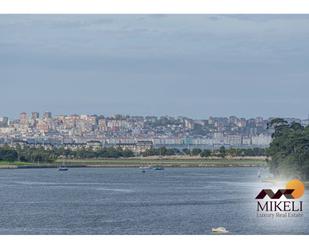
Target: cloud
(173, 61)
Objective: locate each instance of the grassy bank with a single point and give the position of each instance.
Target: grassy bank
(172, 161)
(7, 164)
(168, 162)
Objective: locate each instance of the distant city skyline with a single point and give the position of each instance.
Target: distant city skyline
(35, 128)
(177, 65)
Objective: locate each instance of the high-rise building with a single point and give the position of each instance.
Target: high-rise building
(4, 121)
(47, 115)
(23, 118)
(35, 115)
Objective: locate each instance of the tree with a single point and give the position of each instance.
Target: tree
(196, 152)
(232, 152)
(205, 153)
(186, 151)
(289, 150)
(222, 152)
(8, 154)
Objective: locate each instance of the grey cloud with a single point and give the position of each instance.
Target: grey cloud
(201, 64)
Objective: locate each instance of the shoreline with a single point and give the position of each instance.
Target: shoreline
(128, 167)
(168, 162)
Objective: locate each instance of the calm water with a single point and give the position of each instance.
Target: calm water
(126, 201)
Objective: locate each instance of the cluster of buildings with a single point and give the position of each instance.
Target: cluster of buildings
(136, 132)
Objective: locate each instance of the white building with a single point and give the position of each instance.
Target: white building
(261, 140)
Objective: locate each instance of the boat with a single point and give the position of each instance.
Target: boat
(158, 168)
(63, 168)
(219, 230)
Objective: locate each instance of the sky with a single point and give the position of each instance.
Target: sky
(179, 65)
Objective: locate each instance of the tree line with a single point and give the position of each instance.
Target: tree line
(289, 149)
(29, 154)
(40, 154)
(221, 152)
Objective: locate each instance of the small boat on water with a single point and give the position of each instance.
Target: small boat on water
(219, 230)
(63, 168)
(158, 168)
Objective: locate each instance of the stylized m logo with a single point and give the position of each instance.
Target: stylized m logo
(286, 192)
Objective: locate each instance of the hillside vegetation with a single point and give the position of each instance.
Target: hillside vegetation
(289, 150)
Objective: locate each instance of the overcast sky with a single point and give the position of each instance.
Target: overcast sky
(188, 65)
